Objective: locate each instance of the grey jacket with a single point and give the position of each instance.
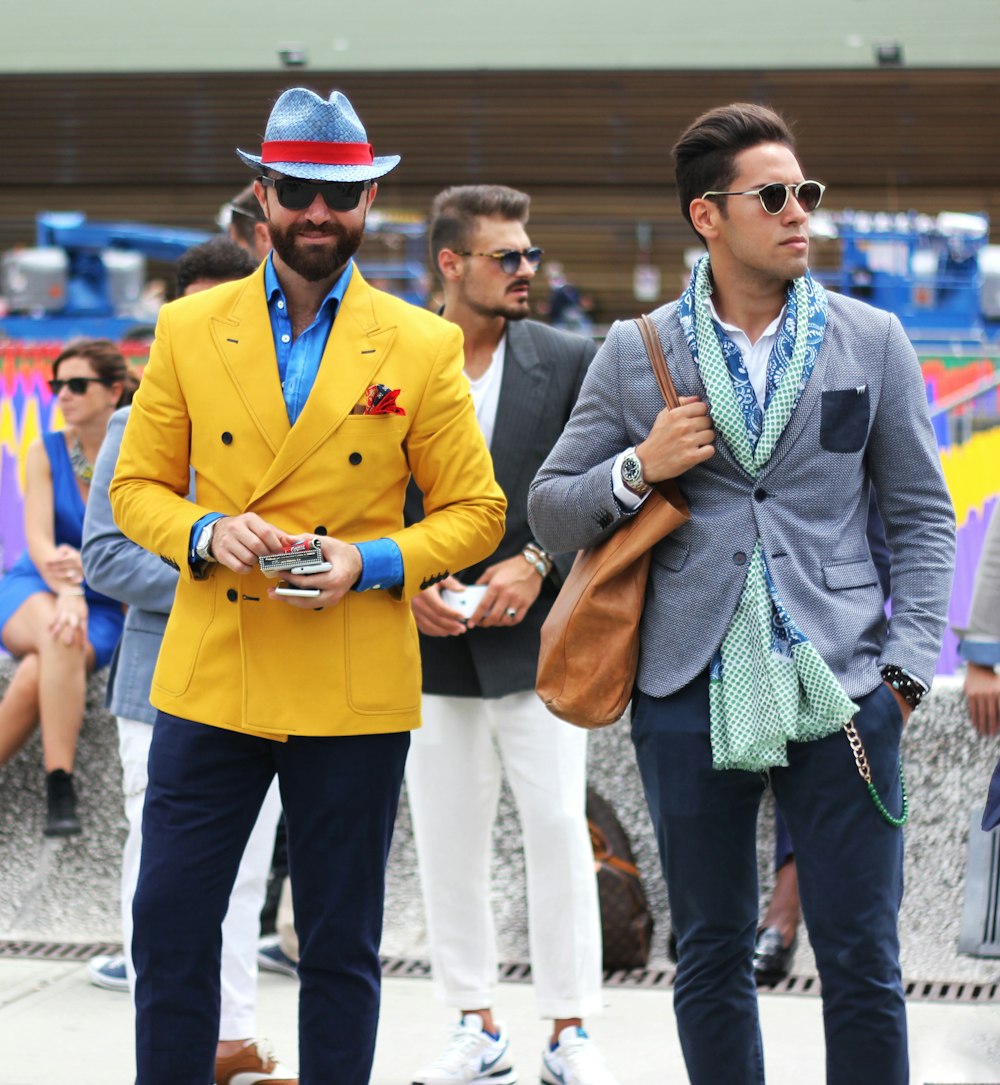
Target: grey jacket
(132, 575)
(862, 419)
(542, 375)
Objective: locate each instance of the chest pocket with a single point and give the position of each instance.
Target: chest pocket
(844, 419)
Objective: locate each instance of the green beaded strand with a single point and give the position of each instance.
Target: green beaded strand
(899, 822)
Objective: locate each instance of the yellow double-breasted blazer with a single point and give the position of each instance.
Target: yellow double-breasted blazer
(211, 397)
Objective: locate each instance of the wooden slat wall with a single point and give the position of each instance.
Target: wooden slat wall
(593, 148)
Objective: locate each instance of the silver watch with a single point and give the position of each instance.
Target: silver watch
(631, 469)
(203, 547)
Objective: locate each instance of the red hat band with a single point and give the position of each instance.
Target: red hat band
(315, 151)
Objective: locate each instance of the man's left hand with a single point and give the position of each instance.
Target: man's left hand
(512, 586)
(334, 584)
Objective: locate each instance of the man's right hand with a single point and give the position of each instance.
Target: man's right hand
(237, 541)
(680, 439)
(432, 614)
(982, 691)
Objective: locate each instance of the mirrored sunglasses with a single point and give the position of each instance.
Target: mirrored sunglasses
(295, 195)
(77, 385)
(510, 259)
(774, 196)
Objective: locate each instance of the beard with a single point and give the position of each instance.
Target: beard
(511, 307)
(316, 262)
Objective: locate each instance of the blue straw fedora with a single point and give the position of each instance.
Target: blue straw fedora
(318, 140)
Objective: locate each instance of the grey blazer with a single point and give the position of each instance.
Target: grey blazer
(543, 371)
(132, 575)
(862, 419)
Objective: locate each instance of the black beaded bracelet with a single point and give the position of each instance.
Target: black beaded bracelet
(904, 684)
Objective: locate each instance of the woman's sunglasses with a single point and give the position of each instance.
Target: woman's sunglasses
(296, 195)
(77, 385)
(774, 196)
(510, 259)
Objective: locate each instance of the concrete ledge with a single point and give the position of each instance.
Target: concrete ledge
(68, 889)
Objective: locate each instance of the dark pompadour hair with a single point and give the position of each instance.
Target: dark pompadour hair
(705, 155)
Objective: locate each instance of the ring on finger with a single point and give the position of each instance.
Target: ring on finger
(511, 612)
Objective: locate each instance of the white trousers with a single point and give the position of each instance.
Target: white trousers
(241, 927)
(453, 784)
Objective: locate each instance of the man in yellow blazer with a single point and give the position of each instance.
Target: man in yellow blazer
(303, 400)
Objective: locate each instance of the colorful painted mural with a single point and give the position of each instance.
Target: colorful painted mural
(972, 468)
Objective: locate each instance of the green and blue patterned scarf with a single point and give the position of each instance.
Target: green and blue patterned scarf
(768, 684)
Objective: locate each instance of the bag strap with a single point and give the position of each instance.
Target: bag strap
(655, 351)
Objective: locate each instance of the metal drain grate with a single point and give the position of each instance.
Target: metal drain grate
(57, 951)
(967, 991)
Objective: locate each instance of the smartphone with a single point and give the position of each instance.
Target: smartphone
(299, 593)
(308, 570)
(465, 602)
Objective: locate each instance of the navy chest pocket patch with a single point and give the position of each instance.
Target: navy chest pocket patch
(844, 419)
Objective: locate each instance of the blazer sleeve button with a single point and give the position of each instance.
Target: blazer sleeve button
(232, 595)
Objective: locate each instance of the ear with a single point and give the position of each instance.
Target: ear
(261, 193)
(705, 217)
(371, 194)
(450, 265)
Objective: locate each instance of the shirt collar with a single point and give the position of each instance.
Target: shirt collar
(770, 330)
(272, 285)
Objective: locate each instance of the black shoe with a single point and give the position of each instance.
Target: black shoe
(61, 819)
(772, 959)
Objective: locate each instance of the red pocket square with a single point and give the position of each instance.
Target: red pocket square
(381, 399)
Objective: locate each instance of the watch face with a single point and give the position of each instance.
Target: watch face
(632, 470)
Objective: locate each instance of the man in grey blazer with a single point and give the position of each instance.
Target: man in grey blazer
(479, 707)
(146, 584)
(766, 656)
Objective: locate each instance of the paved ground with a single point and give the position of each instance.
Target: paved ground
(56, 1029)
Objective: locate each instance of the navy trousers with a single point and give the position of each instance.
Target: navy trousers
(850, 863)
(206, 785)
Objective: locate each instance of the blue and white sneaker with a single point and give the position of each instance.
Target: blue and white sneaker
(108, 972)
(575, 1060)
(272, 958)
(474, 1057)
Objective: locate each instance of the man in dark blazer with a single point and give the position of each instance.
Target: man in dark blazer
(766, 654)
(479, 659)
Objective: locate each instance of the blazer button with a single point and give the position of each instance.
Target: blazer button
(354, 458)
(320, 530)
(759, 494)
(740, 558)
(227, 438)
(232, 595)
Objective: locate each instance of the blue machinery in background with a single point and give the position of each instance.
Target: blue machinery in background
(88, 278)
(938, 274)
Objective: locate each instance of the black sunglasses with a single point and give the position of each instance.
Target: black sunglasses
(77, 385)
(510, 259)
(294, 195)
(774, 196)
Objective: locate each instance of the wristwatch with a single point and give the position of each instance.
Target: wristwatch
(203, 547)
(631, 470)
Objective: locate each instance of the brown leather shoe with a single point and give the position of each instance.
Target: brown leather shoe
(253, 1063)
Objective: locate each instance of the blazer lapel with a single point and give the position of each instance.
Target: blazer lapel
(521, 406)
(354, 352)
(245, 343)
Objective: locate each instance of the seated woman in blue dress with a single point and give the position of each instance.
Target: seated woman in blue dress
(57, 628)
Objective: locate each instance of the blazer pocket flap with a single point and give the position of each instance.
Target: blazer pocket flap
(671, 552)
(850, 574)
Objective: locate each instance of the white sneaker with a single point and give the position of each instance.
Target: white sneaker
(575, 1060)
(108, 972)
(472, 1058)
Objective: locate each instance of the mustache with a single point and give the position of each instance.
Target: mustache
(518, 283)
